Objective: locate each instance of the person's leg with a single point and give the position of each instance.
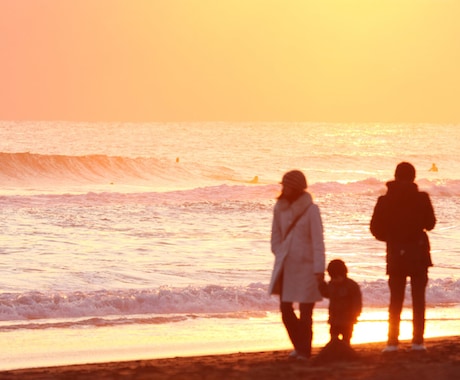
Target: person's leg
(397, 284)
(334, 332)
(347, 332)
(305, 328)
(418, 287)
(290, 321)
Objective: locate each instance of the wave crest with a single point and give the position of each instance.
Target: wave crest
(33, 170)
(162, 302)
(29, 167)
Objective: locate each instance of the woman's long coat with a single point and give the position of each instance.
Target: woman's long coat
(301, 254)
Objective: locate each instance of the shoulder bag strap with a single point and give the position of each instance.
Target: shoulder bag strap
(295, 222)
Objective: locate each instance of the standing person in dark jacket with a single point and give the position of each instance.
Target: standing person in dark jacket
(345, 301)
(401, 218)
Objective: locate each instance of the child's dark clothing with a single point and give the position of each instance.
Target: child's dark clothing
(345, 305)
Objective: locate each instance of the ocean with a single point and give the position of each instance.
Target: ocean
(128, 241)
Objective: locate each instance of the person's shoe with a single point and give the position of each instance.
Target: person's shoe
(293, 355)
(302, 357)
(298, 356)
(418, 347)
(390, 348)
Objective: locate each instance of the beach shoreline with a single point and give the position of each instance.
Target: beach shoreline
(441, 361)
(195, 336)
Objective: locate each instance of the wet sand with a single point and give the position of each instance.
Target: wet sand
(440, 362)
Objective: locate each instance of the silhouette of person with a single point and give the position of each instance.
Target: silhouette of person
(345, 301)
(298, 245)
(401, 218)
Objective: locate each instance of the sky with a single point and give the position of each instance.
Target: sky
(230, 60)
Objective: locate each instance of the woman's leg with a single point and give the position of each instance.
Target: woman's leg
(290, 321)
(305, 328)
(300, 330)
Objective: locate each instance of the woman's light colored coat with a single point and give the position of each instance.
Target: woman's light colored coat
(301, 254)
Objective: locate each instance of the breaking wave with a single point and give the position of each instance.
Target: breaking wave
(30, 170)
(166, 304)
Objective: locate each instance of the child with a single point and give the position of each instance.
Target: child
(345, 301)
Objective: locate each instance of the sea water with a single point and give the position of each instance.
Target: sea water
(128, 241)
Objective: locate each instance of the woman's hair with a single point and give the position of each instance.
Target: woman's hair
(297, 183)
(295, 179)
(292, 196)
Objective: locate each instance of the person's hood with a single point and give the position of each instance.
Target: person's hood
(401, 190)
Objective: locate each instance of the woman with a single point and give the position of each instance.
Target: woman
(298, 245)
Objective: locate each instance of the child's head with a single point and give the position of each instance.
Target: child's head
(337, 269)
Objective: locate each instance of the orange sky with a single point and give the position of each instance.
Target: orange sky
(234, 60)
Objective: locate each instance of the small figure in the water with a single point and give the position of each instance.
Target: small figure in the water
(433, 168)
(177, 159)
(255, 179)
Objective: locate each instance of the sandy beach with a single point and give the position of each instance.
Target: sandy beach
(441, 361)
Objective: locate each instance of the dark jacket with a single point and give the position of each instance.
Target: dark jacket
(401, 218)
(345, 301)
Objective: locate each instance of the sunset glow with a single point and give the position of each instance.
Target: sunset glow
(238, 60)
(142, 147)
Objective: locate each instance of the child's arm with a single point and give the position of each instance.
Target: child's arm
(324, 289)
(357, 300)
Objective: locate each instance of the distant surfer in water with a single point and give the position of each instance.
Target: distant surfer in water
(433, 168)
